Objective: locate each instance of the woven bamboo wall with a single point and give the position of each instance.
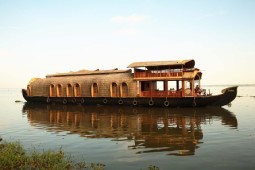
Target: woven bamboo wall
(41, 87)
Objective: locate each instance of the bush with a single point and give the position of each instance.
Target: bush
(13, 156)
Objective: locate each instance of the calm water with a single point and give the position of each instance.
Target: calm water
(134, 138)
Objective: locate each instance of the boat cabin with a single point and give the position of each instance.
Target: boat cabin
(148, 79)
(166, 78)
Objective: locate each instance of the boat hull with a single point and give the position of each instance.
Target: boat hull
(227, 96)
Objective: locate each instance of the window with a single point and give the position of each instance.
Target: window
(77, 89)
(124, 89)
(52, 90)
(160, 85)
(113, 90)
(69, 91)
(94, 90)
(59, 90)
(145, 86)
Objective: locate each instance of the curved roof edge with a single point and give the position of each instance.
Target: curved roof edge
(88, 72)
(176, 63)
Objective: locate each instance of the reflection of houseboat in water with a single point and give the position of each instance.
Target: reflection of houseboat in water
(176, 131)
(163, 83)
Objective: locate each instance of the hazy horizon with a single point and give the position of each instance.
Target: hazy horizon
(44, 37)
(203, 85)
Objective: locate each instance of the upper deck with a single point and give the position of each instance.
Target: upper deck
(156, 78)
(165, 70)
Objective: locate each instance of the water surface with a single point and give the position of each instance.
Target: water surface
(133, 137)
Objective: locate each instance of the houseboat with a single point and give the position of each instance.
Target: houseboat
(153, 84)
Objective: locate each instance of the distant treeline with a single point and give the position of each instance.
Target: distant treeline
(227, 85)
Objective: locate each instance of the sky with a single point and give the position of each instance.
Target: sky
(49, 36)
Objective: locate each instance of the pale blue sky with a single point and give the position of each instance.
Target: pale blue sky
(49, 36)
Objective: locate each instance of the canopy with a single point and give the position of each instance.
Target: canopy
(164, 64)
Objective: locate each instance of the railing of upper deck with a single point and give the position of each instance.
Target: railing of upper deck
(148, 73)
(170, 93)
(161, 94)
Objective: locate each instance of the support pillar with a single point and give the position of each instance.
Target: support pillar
(166, 87)
(183, 88)
(192, 87)
(177, 85)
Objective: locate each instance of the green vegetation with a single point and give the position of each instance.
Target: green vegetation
(13, 156)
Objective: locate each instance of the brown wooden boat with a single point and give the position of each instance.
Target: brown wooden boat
(154, 84)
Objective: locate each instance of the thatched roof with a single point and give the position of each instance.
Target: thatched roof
(88, 72)
(164, 64)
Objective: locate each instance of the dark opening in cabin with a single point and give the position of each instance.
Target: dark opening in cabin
(52, 90)
(59, 90)
(124, 89)
(94, 90)
(145, 86)
(77, 90)
(69, 91)
(114, 90)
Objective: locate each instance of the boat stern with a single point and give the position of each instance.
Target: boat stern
(227, 96)
(24, 94)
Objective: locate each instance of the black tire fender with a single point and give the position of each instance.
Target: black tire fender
(48, 100)
(135, 102)
(64, 101)
(105, 101)
(120, 101)
(151, 102)
(74, 100)
(166, 103)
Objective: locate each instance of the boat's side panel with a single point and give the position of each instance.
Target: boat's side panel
(199, 101)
